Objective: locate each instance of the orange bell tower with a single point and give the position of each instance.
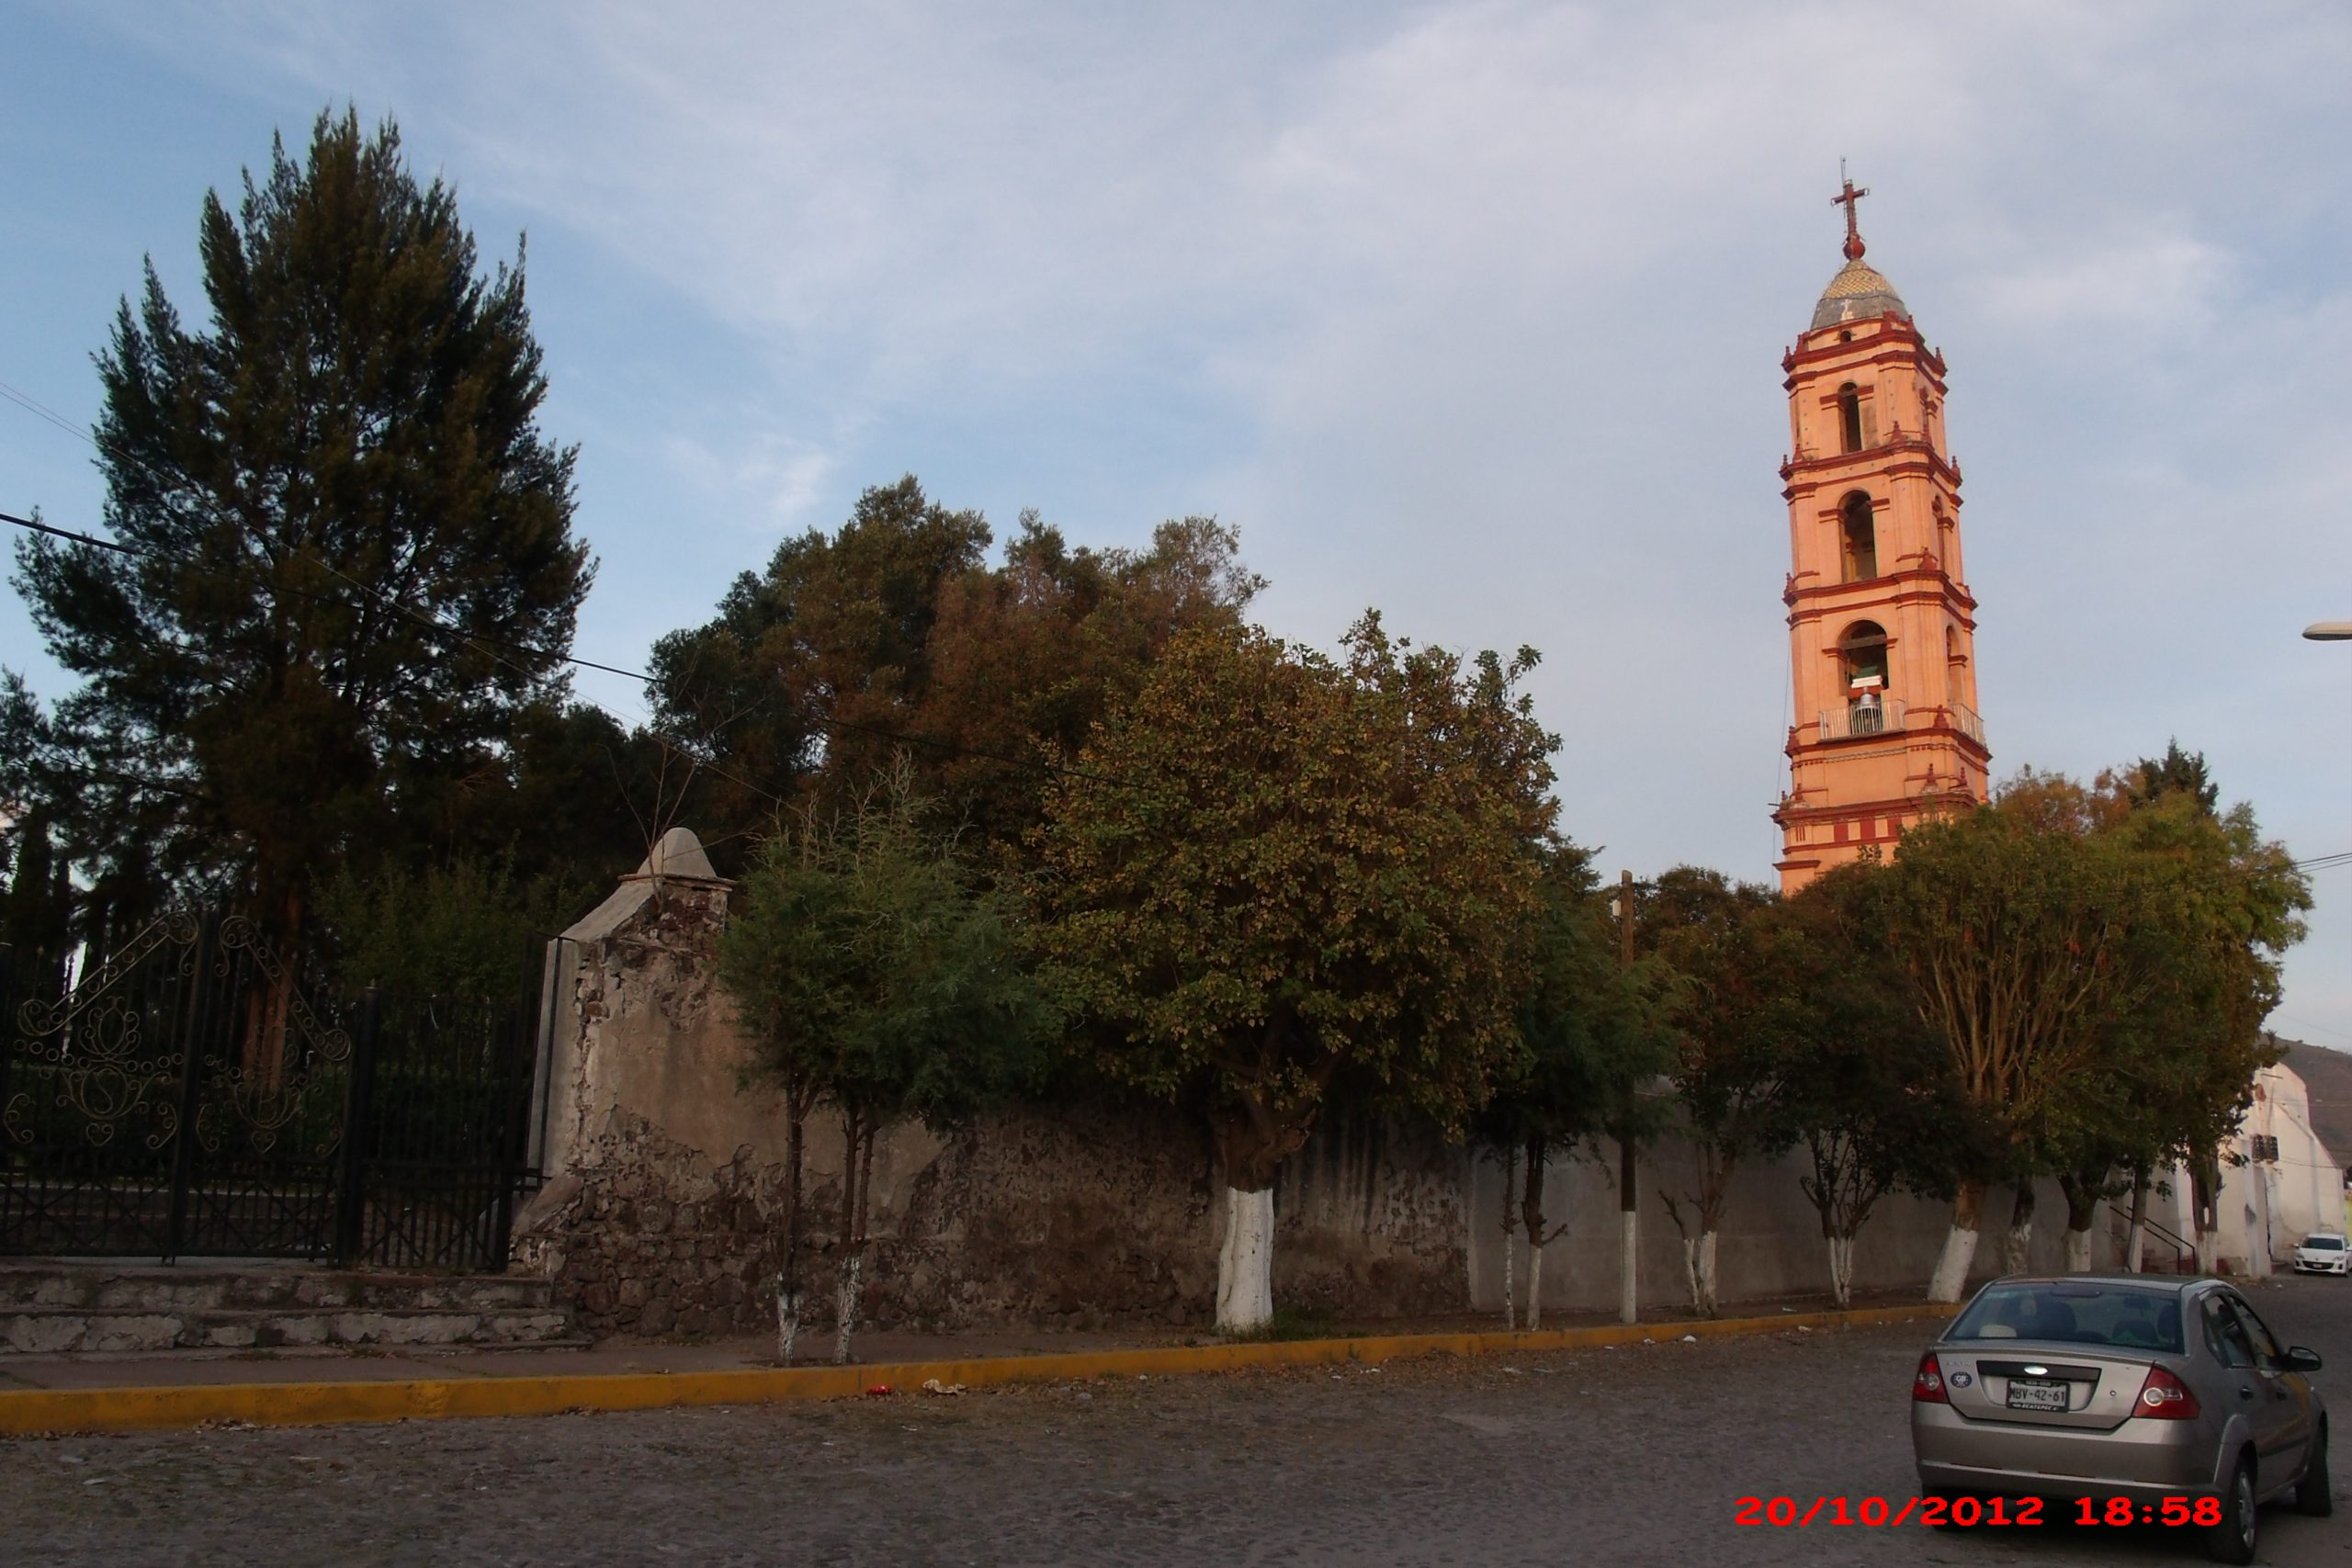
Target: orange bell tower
(1882, 627)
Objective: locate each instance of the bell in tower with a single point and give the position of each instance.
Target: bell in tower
(1882, 627)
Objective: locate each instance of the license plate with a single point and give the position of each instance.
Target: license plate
(2026, 1394)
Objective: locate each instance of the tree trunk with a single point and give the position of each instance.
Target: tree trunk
(2082, 1212)
(857, 1180)
(1245, 1279)
(1510, 1237)
(787, 1276)
(1702, 1273)
(2136, 1241)
(2078, 1251)
(2017, 1245)
(1629, 1236)
(1252, 1144)
(1532, 1215)
(2204, 1214)
(1842, 1270)
(1535, 1283)
(1950, 1278)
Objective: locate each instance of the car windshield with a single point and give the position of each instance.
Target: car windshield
(2322, 1244)
(2119, 1316)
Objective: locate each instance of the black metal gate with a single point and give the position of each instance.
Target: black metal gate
(191, 1096)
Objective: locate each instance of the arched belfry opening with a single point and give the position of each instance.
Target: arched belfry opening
(1861, 658)
(1849, 417)
(1858, 538)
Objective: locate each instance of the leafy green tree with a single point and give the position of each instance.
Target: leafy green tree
(1275, 878)
(466, 927)
(2098, 963)
(2015, 940)
(354, 565)
(895, 626)
(1594, 1041)
(786, 685)
(876, 975)
(1026, 657)
(2176, 773)
(2178, 1070)
(1736, 1020)
(1868, 1089)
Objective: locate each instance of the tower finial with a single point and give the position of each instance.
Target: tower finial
(1847, 199)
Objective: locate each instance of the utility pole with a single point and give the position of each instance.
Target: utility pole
(1628, 1222)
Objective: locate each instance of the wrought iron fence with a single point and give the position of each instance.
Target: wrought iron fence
(192, 1093)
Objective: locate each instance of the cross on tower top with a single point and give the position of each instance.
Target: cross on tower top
(1847, 199)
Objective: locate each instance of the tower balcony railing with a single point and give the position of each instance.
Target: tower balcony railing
(1854, 720)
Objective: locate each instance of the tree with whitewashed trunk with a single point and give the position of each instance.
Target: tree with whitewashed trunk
(1736, 1023)
(1868, 1091)
(2177, 1063)
(1272, 878)
(1593, 1040)
(875, 975)
(2014, 937)
(2065, 942)
(2085, 1190)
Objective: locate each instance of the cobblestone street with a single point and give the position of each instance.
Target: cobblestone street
(1605, 1456)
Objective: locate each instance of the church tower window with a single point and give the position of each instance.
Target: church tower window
(1850, 417)
(1858, 534)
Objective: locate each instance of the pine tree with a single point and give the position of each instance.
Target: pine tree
(354, 563)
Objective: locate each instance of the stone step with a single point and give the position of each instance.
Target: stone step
(57, 1331)
(132, 1289)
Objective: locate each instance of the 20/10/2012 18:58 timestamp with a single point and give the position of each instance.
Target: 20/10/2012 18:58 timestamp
(1873, 1512)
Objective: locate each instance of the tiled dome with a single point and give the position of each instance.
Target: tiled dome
(1859, 293)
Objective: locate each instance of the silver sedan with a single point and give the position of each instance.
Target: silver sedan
(2107, 1387)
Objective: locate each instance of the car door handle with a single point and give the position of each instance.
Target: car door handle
(2245, 1393)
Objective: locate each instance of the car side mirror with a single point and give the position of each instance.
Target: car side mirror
(2302, 1360)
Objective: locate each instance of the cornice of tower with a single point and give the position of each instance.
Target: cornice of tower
(1901, 454)
(1924, 583)
(1896, 340)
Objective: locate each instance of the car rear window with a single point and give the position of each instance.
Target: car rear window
(2125, 1318)
(2322, 1244)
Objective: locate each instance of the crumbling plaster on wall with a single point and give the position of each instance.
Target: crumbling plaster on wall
(1094, 1210)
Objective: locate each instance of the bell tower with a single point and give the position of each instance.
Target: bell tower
(1882, 627)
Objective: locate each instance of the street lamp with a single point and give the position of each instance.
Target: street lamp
(2329, 631)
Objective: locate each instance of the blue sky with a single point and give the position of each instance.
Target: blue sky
(1471, 312)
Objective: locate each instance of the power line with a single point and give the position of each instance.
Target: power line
(485, 644)
(32, 405)
(491, 645)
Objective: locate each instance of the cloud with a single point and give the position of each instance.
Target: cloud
(2168, 281)
(778, 479)
(1475, 313)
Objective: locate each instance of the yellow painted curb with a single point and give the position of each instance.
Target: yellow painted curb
(321, 1404)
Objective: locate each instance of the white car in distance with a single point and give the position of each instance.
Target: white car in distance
(2323, 1252)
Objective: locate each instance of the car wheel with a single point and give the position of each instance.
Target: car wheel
(2232, 1540)
(2313, 1496)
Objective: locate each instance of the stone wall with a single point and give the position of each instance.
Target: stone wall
(665, 1209)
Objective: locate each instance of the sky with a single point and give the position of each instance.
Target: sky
(1470, 313)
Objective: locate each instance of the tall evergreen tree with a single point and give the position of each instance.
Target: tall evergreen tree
(353, 564)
